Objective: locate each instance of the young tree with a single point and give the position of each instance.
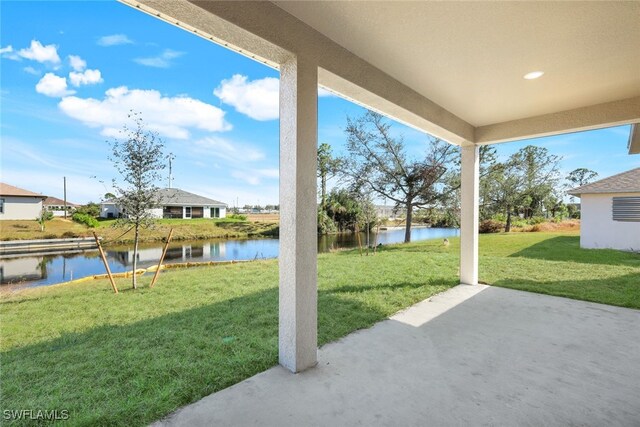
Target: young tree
(45, 215)
(377, 161)
(328, 167)
(138, 158)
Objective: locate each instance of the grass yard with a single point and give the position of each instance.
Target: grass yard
(184, 229)
(133, 358)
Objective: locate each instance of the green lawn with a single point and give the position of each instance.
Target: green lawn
(132, 358)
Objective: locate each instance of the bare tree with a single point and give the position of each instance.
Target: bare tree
(138, 158)
(378, 161)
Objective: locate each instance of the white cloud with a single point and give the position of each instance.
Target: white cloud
(226, 150)
(161, 61)
(258, 99)
(77, 63)
(54, 86)
(244, 162)
(114, 40)
(40, 53)
(32, 70)
(171, 117)
(88, 77)
(9, 53)
(255, 176)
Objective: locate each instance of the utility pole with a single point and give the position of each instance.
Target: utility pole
(65, 196)
(171, 157)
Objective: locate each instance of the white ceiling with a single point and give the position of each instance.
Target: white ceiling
(469, 57)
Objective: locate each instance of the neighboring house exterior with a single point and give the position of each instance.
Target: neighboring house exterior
(56, 206)
(17, 203)
(610, 212)
(174, 203)
(390, 212)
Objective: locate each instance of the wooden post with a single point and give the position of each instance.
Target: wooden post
(106, 264)
(164, 252)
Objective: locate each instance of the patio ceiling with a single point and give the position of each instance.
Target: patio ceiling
(453, 69)
(470, 57)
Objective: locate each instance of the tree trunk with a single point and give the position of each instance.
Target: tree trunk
(407, 231)
(323, 191)
(507, 226)
(135, 257)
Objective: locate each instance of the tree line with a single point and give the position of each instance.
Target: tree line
(527, 185)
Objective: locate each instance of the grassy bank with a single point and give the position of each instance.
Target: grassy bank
(132, 358)
(184, 229)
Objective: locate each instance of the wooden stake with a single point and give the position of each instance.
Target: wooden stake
(375, 244)
(359, 240)
(106, 264)
(164, 252)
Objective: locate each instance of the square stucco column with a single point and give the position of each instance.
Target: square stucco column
(298, 341)
(469, 195)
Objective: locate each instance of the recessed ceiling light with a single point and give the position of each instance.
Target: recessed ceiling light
(533, 75)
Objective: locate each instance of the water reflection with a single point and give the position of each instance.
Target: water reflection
(48, 269)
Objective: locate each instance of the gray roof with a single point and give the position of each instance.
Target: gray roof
(175, 196)
(625, 182)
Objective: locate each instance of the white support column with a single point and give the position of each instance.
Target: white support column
(469, 195)
(298, 336)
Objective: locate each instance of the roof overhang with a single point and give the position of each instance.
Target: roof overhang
(452, 69)
(25, 196)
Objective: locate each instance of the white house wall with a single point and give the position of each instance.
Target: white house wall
(21, 207)
(106, 209)
(598, 230)
(156, 213)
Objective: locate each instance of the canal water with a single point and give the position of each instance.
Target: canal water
(47, 269)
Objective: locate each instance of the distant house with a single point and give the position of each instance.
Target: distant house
(174, 203)
(56, 206)
(17, 203)
(610, 212)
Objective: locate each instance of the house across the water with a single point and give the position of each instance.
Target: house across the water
(174, 203)
(17, 203)
(57, 206)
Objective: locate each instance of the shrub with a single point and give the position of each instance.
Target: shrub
(239, 217)
(536, 220)
(69, 234)
(47, 215)
(85, 219)
(91, 209)
(326, 225)
(491, 226)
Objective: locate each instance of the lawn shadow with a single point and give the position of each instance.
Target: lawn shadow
(622, 291)
(136, 373)
(567, 248)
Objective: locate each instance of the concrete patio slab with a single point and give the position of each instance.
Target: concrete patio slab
(474, 355)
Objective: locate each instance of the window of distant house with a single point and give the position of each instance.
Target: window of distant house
(215, 212)
(626, 209)
(1, 205)
(187, 212)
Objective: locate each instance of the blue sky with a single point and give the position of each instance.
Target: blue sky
(70, 71)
